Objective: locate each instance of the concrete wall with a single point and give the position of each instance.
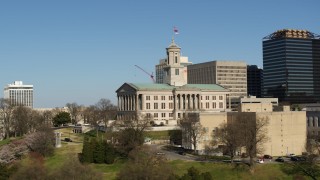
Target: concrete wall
(286, 131)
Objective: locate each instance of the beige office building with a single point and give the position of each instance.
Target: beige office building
(229, 74)
(286, 131)
(168, 102)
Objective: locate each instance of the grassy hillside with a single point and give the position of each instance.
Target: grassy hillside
(218, 170)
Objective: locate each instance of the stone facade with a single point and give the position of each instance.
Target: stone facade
(286, 131)
(167, 104)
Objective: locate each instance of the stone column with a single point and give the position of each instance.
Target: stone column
(181, 101)
(130, 102)
(196, 101)
(142, 102)
(121, 103)
(118, 102)
(58, 139)
(191, 102)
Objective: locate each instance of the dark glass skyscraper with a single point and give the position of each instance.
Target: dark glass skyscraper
(291, 66)
(254, 80)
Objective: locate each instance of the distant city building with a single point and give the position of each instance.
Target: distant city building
(19, 94)
(229, 74)
(167, 103)
(291, 66)
(254, 80)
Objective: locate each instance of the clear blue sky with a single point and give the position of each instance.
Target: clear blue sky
(81, 51)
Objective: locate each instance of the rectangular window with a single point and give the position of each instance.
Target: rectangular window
(170, 105)
(163, 105)
(177, 71)
(163, 115)
(148, 115)
(155, 115)
(170, 114)
(155, 97)
(220, 97)
(213, 97)
(163, 97)
(170, 97)
(147, 97)
(207, 97)
(148, 105)
(155, 105)
(207, 105)
(220, 105)
(214, 105)
(179, 115)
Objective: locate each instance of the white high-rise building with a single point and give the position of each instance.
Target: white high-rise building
(19, 94)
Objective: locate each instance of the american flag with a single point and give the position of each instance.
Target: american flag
(175, 30)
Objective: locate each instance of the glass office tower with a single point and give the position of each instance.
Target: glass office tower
(291, 66)
(254, 80)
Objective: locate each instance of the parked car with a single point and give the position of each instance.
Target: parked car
(67, 140)
(267, 157)
(280, 159)
(294, 158)
(298, 158)
(260, 161)
(160, 153)
(290, 155)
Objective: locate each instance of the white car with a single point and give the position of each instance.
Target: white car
(260, 161)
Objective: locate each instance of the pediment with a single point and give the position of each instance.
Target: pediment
(126, 88)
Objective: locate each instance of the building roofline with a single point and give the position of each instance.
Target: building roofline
(292, 33)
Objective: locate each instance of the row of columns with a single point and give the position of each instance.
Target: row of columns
(187, 101)
(127, 102)
(181, 101)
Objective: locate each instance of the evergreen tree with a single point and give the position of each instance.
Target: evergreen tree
(99, 152)
(110, 153)
(87, 151)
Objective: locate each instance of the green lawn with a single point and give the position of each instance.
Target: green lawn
(159, 135)
(4, 142)
(66, 150)
(229, 171)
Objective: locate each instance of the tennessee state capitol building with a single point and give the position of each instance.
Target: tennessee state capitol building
(168, 102)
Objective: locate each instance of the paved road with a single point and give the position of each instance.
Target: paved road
(171, 155)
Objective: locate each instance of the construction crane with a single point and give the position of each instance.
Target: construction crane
(150, 75)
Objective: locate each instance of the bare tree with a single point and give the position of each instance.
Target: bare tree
(228, 135)
(106, 110)
(47, 117)
(74, 110)
(6, 110)
(91, 116)
(131, 132)
(253, 132)
(307, 165)
(192, 130)
(21, 120)
(145, 164)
